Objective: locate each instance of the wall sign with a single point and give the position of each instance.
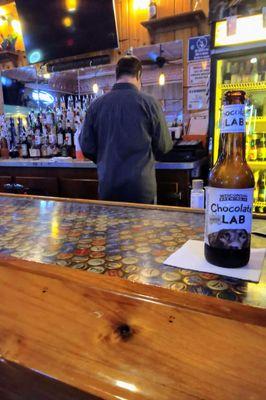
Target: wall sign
(43, 96)
(199, 48)
(198, 73)
(197, 98)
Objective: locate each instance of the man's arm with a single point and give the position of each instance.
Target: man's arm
(161, 140)
(87, 137)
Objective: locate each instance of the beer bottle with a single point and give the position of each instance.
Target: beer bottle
(229, 196)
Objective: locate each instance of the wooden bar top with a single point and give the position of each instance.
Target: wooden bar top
(71, 328)
(67, 334)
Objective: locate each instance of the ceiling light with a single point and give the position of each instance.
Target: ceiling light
(47, 75)
(67, 22)
(71, 5)
(162, 79)
(16, 26)
(95, 88)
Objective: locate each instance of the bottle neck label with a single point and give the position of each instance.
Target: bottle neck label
(233, 119)
(228, 218)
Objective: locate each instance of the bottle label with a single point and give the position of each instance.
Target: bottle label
(233, 119)
(24, 150)
(69, 139)
(35, 153)
(197, 200)
(60, 139)
(228, 218)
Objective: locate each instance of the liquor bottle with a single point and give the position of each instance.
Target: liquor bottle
(64, 149)
(227, 75)
(262, 187)
(254, 73)
(60, 135)
(44, 149)
(4, 151)
(69, 136)
(12, 132)
(235, 73)
(70, 116)
(253, 151)
(50, 119)
(260, 149)
(264, 146)
(247, 75)
(34, 149)
(256, 174)
(260, 70)
(32, 119)
(24, 147)
(229, 196)
(38, 125)
(152, 10)
(263, 68)
(241, 72)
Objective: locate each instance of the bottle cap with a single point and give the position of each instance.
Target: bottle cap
(197, 184)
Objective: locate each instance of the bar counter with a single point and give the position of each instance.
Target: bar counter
(80, 334)
(78, 179)
(70, 163)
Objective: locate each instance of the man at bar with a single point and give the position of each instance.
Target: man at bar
(123, 132)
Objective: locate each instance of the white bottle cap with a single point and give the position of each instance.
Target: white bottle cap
(197, 184)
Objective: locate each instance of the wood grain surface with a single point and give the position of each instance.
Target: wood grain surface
(118, 340)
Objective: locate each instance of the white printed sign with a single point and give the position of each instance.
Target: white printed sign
(228, 217)
(197, 98)
(198, 73)
(233, 120)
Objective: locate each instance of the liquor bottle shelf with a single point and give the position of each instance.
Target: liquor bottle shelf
(244, 86)
(254, 164)
(259, 203)
(259, 207)
(261, 118)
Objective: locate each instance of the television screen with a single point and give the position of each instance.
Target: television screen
(63, 28)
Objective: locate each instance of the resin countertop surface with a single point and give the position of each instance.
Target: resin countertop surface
(119, 241)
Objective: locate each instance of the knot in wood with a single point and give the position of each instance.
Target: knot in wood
(124, 331)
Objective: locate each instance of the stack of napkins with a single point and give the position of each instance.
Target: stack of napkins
(191, 256)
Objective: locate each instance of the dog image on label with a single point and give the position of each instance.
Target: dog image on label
(236, 239)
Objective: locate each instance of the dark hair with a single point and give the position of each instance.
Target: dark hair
(128, 65)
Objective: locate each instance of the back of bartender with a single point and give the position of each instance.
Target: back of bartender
(122, 132)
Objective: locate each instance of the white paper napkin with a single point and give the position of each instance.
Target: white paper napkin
(191, 256)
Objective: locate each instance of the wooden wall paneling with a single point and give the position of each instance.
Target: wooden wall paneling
(138, 34)
(164, 37)
(79, 188)
(122, 24)
(186, 34)
(166, 8)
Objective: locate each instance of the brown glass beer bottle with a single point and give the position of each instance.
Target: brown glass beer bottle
(229, 195)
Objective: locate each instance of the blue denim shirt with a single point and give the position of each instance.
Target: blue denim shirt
(122, 132)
